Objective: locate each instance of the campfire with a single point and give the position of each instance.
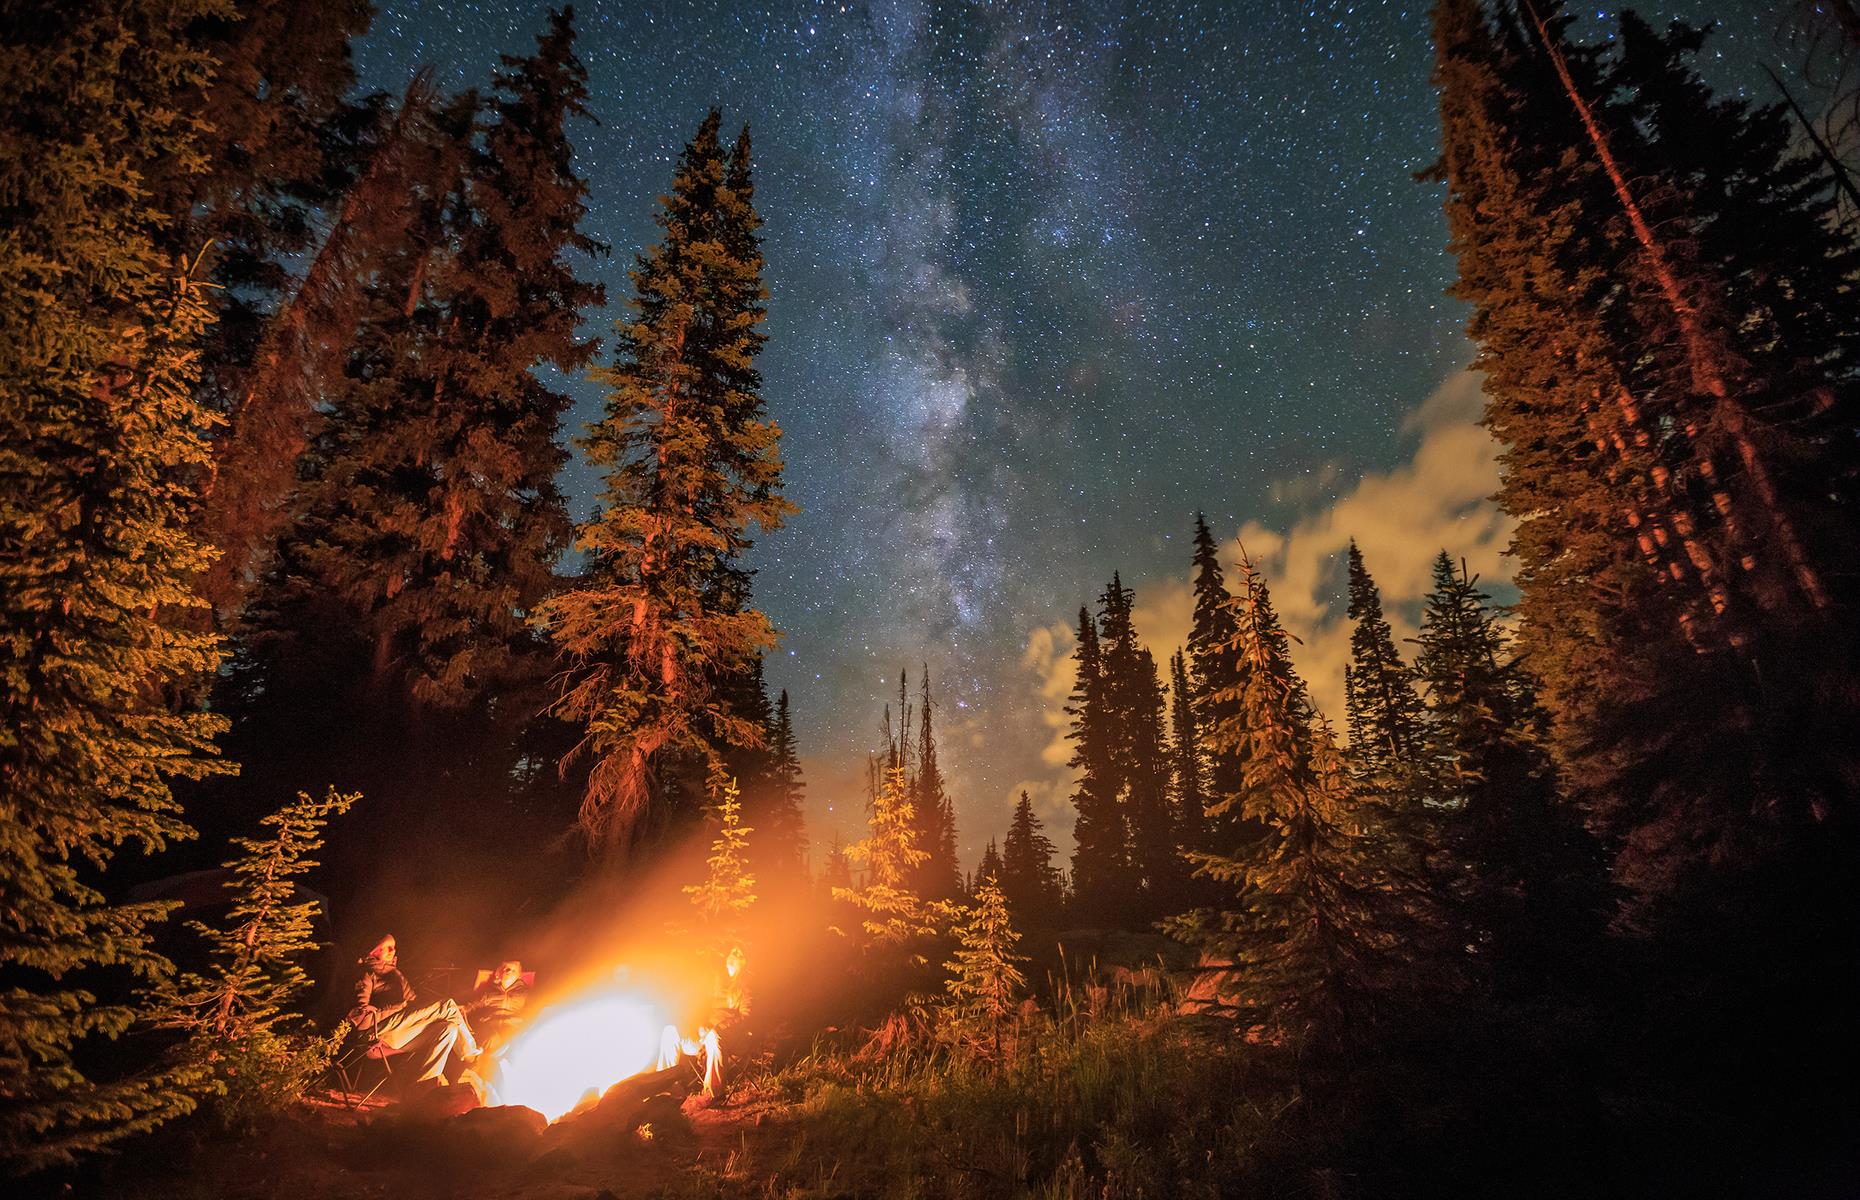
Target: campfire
(576, 1049)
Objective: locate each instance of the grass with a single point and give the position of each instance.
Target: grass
(1107, 1093)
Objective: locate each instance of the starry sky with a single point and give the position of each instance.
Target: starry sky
(1047, 278)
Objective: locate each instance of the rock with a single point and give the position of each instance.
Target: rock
(509, 1133)
(440, 1103)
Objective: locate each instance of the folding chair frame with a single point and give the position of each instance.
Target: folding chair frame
(347, 1067)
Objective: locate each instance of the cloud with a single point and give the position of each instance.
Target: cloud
(1439, 498)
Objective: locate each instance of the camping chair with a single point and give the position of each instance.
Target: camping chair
(360, 1048)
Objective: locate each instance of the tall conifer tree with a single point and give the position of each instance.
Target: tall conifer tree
(1385, 715)
(692, 469)
(1534, 880)
(100, 441)
(782, 847)
(1139, 756)
(940, 875)
(1028, 877)
(1214, 666)
(1101, 880)
(1319, 925)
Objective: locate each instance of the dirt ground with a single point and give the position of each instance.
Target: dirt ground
(647, 1138)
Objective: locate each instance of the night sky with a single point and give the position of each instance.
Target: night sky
(1046, 278)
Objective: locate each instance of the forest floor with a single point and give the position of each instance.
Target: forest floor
(639, 1143)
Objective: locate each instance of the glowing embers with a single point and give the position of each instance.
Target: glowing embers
(579, 1048)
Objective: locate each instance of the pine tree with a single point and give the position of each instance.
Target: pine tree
(1659, 448)
(1385, 714)
(990, 869)
(893, 915)
(276, 394)
(1028, 878)
(692, 465)
(782, 847)
(939, 876)
(276, 150)
(1133, 703)
(1533, 879)
(986, 979)
(1100, 856)
(729, 889)
(100, 438)
(238, 1018)
(1214, 669)
(1323, 931)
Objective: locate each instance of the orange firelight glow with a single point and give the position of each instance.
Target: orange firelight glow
(577, 1048)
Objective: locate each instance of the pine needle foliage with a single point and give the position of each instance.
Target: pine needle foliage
(692, 467)
(1385, 717)
(728, 892)
(893, 914)
(1028, 877)
(986, 980)
(1320, 923)
(101, 436)
(238, 1017)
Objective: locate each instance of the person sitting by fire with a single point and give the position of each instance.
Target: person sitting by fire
(729, 1006)
(384, 1004)
(497, 1003)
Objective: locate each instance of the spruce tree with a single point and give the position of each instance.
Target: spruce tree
(692, 466)
(238, 1017)
(1659, 444)
(729, 889)
(892, 914)
(1100, 857)
(277, 393)
(940, 875)
(1214, 668)
(1027, 875)
(100, 441)
(783, 844)
(990, 868)
(1189, 762)
(1139, 755)
(986, 979)
(1319, 926)
(1531, 878)
(1385, 715)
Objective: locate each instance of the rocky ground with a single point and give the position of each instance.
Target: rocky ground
(647, 1137)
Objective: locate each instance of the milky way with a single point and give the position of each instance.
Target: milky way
(1046, 278)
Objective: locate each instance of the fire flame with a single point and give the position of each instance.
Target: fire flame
(578, 1048)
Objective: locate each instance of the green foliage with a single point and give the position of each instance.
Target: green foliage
(1028, 877)
(1129, 1102)
(729, 889)
(257, 971)
(1323, 927)
(1384, 714)
(985, 980)
(1101, 839)
(692, 465)
(1528, 876)
(894, 916)
(100, 439)
(933, 814)
(1679, 491)
(241, 1029)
